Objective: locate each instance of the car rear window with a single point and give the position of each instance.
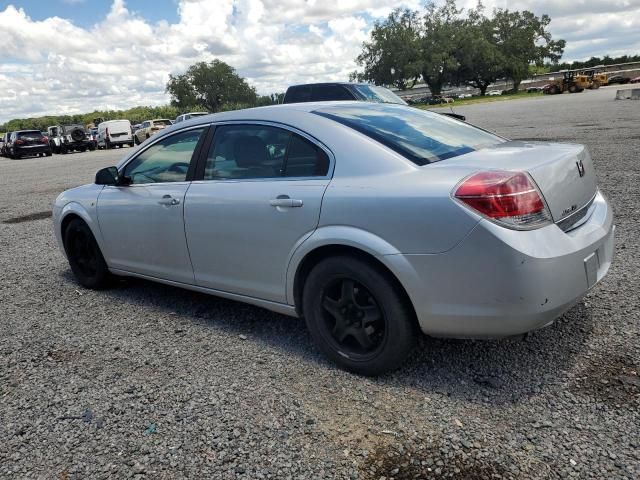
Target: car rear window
(162, 122)
(420, 136)
(30, 134)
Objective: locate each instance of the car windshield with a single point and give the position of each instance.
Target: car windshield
(372, 93)
(161, 122)
(420, 136)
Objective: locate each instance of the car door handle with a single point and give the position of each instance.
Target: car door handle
(168, 200)
(285, 201)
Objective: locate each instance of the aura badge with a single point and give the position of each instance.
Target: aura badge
(580, 166)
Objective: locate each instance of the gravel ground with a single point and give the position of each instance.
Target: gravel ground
(149, 380)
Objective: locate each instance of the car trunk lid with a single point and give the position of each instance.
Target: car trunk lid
(564, 173)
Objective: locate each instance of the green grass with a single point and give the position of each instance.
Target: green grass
(485, 99)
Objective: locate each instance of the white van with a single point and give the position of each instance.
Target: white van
(114, 133)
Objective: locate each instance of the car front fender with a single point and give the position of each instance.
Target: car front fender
(87, 212)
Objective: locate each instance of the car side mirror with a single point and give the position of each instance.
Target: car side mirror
(108, 176)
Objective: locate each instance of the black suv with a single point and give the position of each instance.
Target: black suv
(323, 92)
(27, 142)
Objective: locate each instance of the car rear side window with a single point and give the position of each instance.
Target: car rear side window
(298, 94)
(323, 93)
(420, 136)
(262, 151)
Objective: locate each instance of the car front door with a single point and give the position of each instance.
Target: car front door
(142, 223)
(257, 197)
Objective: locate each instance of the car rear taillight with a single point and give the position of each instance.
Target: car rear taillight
(19, 142)
(507, 198)
(45, 140)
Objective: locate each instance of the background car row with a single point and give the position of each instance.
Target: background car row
(62, 139)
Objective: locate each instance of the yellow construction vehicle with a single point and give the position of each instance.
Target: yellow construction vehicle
(568, 83)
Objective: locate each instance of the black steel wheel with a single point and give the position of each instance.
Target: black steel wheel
(84, 255)
(355, 323)
(358, 315)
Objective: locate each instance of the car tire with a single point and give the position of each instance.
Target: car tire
(84, 256)
(131, 145)
(136, 140)
(338, 296)
(107, 145)
(49, 153)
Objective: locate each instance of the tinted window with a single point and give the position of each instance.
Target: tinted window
(257, 151)
(162, 122)
(298, 94)
(165, 161)
(422, 137)
(322, 93)
(304, 159)
(36, 134)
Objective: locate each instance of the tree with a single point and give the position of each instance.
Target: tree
(392, 55)
(479, 59)
(523, 39)
(439, 42)
(213, 86)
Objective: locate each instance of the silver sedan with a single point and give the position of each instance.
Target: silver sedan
(372, 222)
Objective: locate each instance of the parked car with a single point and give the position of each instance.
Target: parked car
(635, 80)
(149, 128)
(69, 138)
(93, 132)
(320, 92)
(534, 89)
(24, 143)
(619, 79)
(2, 142)
(115, 133)
(187, 116)
(494, 93)
(373, 222)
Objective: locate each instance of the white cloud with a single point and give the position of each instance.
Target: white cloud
(53, 66)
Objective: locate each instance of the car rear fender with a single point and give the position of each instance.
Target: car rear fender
(338, 235)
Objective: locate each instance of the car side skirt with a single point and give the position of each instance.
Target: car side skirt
(269, 305)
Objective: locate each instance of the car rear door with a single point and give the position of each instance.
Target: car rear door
(142, 223)
(259, 197)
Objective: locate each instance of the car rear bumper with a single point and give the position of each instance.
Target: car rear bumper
(32, 149)
(120, 140)
(499, 282)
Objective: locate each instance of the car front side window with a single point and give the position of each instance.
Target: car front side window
(167, 160)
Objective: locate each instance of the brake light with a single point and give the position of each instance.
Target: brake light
(45, 140)
(508, 198)
(19, 142)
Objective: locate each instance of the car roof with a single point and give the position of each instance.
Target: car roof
(320, 84)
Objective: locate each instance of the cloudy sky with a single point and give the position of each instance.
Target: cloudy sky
(72, 56)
